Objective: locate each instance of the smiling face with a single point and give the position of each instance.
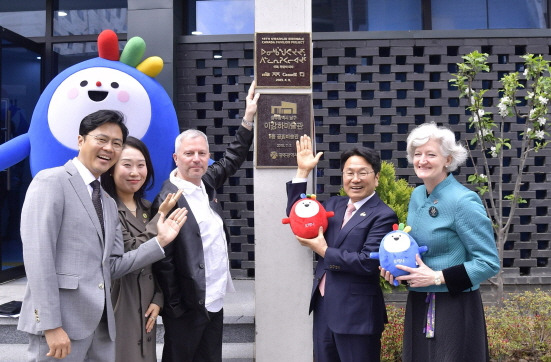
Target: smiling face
(307, 208)
(96, 157)
(130, 172)
(396, 242)
(430, 164)
(91, 89)
(358, 179)
(192, 159)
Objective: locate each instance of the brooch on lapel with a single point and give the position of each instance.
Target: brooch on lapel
(433, 211)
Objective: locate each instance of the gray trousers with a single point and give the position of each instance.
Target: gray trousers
(98, 347)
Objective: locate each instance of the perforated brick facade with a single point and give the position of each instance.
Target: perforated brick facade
(372, 92)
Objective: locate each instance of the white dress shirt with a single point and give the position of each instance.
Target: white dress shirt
(215, 250)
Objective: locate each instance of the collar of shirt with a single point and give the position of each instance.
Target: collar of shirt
(85, 174)
(184, 185)
(360, 203)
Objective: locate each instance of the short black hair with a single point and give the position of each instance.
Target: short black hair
(371, 156)
(98, 118)
(108, 182)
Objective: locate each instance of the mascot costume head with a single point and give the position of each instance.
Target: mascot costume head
(123, 83)
(398, 248)
(307, 216)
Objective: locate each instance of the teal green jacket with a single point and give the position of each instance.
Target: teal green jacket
(454, 225)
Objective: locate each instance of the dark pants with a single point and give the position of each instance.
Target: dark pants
(193, 337)
(333, 347)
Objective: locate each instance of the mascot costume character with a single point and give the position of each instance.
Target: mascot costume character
(306, 217)
(123, 83)
(398, 248)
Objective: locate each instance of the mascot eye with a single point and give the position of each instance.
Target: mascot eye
(115, 85)
(84, 83)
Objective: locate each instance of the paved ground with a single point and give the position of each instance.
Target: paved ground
(239, 312)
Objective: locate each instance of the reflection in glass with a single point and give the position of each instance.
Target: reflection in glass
(364, 15)
(464, 14)
(20, 75)
(72, 18)
(27, 18)
(517, 14)
(394, 15)
(68, 54)
(488, 14)
(224, 17)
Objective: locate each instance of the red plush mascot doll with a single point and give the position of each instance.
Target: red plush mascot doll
(307, 215)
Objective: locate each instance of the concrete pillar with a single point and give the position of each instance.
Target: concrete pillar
(154, 22)
(283, 268)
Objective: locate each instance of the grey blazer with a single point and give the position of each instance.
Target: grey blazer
(69, 264)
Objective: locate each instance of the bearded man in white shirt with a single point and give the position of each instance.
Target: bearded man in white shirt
(194, 275)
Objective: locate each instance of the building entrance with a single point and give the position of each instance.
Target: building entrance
(20, 80)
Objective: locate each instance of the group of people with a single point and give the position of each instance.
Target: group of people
(102, 262)
(444, 319)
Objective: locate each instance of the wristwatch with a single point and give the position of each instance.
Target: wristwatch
(247, 123)
(437, 280)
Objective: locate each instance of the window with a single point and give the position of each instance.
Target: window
(27, 18)
(89, 17)
(69, 54)
(223, 17)
(489, 14)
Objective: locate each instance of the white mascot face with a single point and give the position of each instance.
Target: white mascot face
(307, 208)
(396, 242)
(92, 89)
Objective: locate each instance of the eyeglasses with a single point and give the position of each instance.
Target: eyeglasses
(361, 174)
(102, 141)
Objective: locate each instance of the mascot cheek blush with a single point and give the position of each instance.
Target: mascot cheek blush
(124, 83)
(398, 248)
(307, 216)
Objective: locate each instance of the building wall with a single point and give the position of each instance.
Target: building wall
(370, 89)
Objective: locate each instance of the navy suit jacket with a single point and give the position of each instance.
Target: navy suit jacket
(353, 298)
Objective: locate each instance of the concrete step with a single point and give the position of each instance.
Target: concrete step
(231, 352)
(238, 337)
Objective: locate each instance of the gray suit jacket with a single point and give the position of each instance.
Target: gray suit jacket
(69, 264)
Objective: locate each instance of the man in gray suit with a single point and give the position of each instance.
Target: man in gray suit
(73, 247)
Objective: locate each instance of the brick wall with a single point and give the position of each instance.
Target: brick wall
(372, 92)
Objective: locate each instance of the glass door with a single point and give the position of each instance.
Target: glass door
(20, 80)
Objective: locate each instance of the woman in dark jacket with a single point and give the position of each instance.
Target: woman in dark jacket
(136, 297)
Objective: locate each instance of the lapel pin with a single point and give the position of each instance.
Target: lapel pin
(144, 215)
(362, 214)
(435, 201)
(433, 211)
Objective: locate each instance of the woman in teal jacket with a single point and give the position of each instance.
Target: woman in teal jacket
(444, 314)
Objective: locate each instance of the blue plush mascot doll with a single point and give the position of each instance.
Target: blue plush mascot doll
(398, 248)
(124, 83)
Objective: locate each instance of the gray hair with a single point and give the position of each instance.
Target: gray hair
(190, 133)
(427, 131)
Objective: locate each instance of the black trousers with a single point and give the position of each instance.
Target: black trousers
(193, 337)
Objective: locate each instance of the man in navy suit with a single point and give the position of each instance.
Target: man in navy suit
(347, 301)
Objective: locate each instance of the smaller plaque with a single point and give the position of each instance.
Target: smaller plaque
(281, 120)
(283, 60)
